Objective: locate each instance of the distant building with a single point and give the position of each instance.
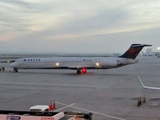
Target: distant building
(157, 54)
(148, 50)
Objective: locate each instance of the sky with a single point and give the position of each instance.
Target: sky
(78, 26)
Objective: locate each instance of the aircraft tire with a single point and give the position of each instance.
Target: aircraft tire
(15, 70)
(78, 71)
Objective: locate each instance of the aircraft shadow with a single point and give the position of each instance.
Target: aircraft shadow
(70, 73)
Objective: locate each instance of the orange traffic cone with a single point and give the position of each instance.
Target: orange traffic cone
(50, 106)
(54, 105)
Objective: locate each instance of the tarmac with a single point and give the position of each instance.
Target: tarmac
(109, 94)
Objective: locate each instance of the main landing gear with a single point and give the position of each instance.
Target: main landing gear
(78, 71)
(15, 70)
(83, 70)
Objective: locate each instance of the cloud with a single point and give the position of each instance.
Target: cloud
(24, 5)
(106, 19)
(77, 25)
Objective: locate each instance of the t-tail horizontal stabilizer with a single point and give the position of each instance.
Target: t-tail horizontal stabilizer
(146, 87)
(133, 51)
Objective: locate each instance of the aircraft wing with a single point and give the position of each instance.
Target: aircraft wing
(82, 66)
(147, 87)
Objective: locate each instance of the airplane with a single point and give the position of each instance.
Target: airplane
(80, 64)
(147, 87)
(147, 54)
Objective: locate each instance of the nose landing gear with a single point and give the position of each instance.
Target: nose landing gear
(15, 70)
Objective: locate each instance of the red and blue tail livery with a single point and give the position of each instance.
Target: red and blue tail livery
(134, 50)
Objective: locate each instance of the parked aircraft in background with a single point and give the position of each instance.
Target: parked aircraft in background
(147, 87)
(80, 64)
(147, 54)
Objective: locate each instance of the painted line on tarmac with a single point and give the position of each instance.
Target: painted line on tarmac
(61, 103)
(71, 105)
(65, 107)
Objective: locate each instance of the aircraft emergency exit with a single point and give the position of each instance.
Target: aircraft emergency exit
(80, 64)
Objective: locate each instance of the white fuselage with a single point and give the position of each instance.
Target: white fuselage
(72, 63)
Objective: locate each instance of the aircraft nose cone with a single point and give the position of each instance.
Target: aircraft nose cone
(12, 65)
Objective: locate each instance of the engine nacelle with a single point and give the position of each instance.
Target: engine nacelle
(106, 63)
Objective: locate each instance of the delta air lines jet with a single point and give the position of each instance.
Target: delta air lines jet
(80, 64)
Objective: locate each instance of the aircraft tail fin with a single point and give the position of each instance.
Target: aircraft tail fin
(133, 51)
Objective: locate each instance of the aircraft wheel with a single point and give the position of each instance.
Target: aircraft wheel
(78, 71)
(15, 70)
